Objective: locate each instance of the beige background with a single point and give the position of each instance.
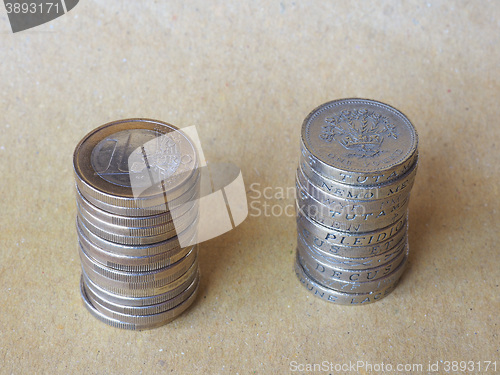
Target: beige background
(246, 73)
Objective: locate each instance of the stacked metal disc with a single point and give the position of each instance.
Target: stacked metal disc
(357, 166)
(137, 185)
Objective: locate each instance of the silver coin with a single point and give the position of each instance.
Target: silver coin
(130, 263)
(138, 290)
(110, 297)
(318, 242)
(353, 263)
(167, 247)
(345, 221)
(355, 287)
(148, 279)
(137, 236)
(372, 192)
(153, 156)
(129, 226)
(148, 322)
(145, 309)
(163, 207)
(336, 203)
(338, 297)
(348, 218)
(134, 221)
(320, 269)
(353, 240)
(140, 319)
(359, 141)
(146, 226)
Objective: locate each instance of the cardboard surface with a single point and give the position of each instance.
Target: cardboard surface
(246, 74)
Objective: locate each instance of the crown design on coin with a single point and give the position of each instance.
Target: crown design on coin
(359, 131)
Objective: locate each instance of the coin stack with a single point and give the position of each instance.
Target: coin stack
(357, 166)
(137, 183)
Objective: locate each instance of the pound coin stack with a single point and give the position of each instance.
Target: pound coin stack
(357, 166)
(137, 183)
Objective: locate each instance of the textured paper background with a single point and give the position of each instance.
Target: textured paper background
(246, 74)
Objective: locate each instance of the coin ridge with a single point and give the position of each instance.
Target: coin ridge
(145, 309)
(129, 202)
(129, 263)
(338, 273)
(353, 179)
(306, 198)
(337, 297)
(138, 290)
(405, 182)
(158, 229)
(161, 276)
(134, 240)
(349, 251)
(353, 263)
(153, 219)
(134, 211)
(328, 200)
(133, 326)
(141, 319)
(351, 226)
(359, 287)
(181, 284)
(332, 235)
(163, 247)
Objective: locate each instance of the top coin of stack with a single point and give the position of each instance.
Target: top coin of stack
(357, 166)
(137, 184)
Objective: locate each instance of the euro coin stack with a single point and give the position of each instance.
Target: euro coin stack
(357, 166)
(137, 181)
